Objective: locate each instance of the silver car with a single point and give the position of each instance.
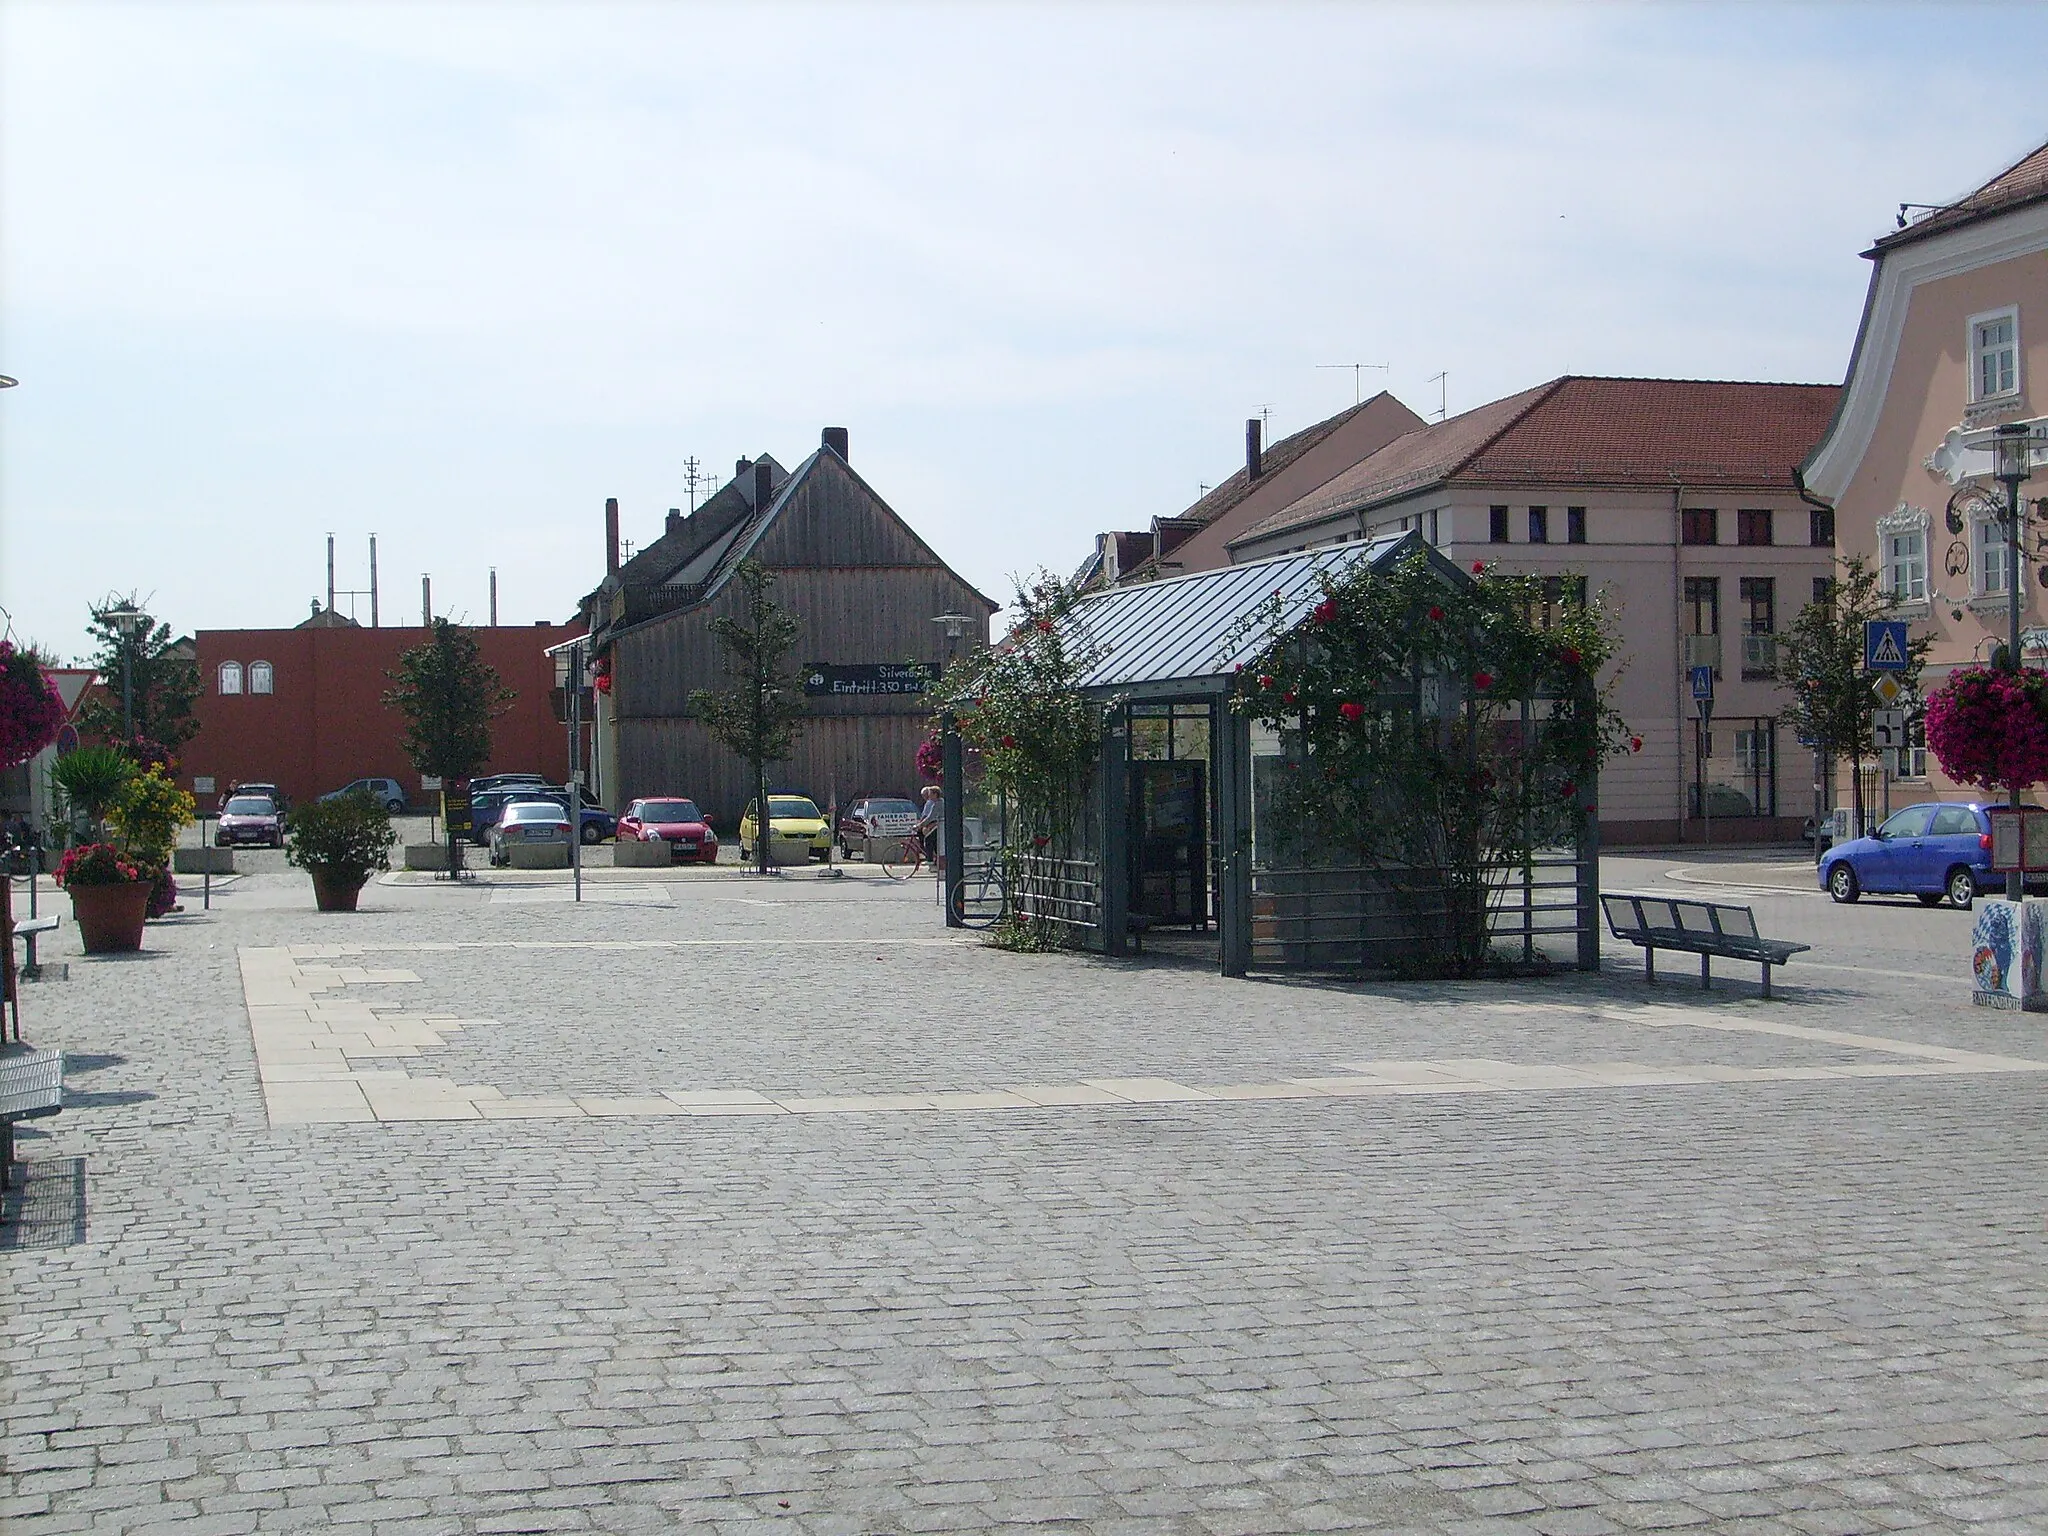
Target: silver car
(527, 823)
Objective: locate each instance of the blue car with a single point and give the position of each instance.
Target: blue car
(1929, 851)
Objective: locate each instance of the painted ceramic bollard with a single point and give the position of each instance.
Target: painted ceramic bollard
(2006, 946)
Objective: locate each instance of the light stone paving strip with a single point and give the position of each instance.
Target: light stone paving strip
(330, 1059)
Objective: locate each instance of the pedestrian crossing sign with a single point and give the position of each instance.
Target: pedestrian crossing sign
(1884, 645)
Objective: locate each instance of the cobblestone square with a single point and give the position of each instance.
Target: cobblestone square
(722, 1201)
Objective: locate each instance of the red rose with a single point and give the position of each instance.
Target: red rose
(1288, 697)
(1635, 743)
(1238, 668)
(1040, 841)
(1265, 679)
(1009, 741)
(1478, 567)
(1325, 611)
(1045, 626)
(1569, 655)
(1482, 680)
(1351, 711)
(1436, 614)
(1567, 789)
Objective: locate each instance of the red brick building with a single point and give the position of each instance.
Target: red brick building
(304, 708)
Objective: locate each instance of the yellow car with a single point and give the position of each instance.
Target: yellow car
(790, 816)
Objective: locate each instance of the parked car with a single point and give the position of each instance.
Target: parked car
(249, 791)
(250, 819)
(794, 816)
(1930, 850)
(527, 823)
(672, 820)
(598, 823)
(507, 781)
(875, 816)
(484, 807)
(386, 792)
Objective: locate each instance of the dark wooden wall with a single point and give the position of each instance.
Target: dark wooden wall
(864, 589)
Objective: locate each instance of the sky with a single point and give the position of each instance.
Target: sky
(454, 274)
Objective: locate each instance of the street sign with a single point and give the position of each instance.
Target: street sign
(2019, 839)
(1884, 645)
(202, 783)
(1888, 729)
(1702, 679)
(1888, 688)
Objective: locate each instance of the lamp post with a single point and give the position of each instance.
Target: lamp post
(2012, 462)
(952, 783)
(126, 619)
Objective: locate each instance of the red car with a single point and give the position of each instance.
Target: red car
(676, 822)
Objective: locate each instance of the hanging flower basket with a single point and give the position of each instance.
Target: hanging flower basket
(1990, 728)
(31, 713)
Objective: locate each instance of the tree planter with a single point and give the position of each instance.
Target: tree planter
(110, 917)
(337, 891)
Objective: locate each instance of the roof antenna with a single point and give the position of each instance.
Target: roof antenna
(1266, 422)
(1443, 392)
(695, 478)
(1358, 376)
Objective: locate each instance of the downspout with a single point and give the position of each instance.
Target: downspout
(1678, 618)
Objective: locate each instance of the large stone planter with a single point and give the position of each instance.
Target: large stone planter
(202, 861)
(110, 917)
(537, 855)
(786, 851)
(337, 891)
(632, 853)
(426, 856)
(2007, 944)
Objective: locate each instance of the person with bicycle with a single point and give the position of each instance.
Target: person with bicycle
(931, 819)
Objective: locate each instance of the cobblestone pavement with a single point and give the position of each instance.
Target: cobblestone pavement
(1730, 1294)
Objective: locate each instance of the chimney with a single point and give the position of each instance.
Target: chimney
(740, 468)
(611, 535)
(1254, 456)
(330, 572)
(835, 439)
(675, 521)
(494, 597)
(373, 581)
(764, 486)
(426, 602)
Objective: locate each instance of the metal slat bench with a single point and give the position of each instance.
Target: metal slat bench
(31, 1087)
(1703, 928)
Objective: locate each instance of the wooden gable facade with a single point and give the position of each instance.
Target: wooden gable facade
(865, 590)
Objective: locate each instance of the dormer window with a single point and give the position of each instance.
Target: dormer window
(230, 677)
(1995, 354)
(259, 677)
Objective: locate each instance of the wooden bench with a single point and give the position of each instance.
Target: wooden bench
(1703, 928)
(31, 1087)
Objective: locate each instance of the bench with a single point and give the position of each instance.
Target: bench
(1703, 928)
(31, 1087)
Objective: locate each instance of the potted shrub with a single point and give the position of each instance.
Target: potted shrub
(109, 897)
(92, 779)
(149, 811)
(340, 843)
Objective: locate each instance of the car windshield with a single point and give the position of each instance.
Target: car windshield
(533, 810)
(249, 806)
(891, 808)
(669, 810)
(792, 807)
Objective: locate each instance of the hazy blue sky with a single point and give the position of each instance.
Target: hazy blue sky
(455, 274)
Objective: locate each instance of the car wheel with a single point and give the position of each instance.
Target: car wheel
(1962, 888)
(1842, 883)
(593, 833)
(394, 806)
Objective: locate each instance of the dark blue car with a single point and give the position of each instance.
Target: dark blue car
(1930, 851)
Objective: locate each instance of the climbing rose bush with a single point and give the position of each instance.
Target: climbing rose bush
(1990, 728)
(30, 710)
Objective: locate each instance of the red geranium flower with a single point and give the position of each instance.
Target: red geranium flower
(1045, 626)
(1288, 697)
(1478, 567)
(1635, 743)
(1482, 680)
(1350, 710)
(1567, 789)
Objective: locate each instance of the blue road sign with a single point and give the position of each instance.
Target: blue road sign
(1702, 682)
(1884, 645)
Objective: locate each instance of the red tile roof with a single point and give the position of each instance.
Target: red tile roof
(1590, 431)
(2025, 182)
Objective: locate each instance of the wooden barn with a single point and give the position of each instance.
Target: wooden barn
(866, 591)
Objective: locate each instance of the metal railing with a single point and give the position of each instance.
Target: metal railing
(1055, 890)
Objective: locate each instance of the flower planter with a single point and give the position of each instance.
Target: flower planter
(337, 891)
(110, 917)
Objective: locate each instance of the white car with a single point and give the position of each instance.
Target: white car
(527, 824)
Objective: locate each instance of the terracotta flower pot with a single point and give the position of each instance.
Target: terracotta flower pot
(337, 890)
(110, 917)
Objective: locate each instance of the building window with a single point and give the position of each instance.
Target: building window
(1753, 526)
(1820, 527)
(1431, 534)
(1575, 525)
(259, 677)
(230, 676)
(1995, 354)
(1992, 551)
(1497, 525)
(1905, 564)
(1824, 591)
(1539, 525)
(1703, 604)
(1759, 625)
(1700, 525)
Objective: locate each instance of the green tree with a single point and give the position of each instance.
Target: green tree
(1820, 662)
(163, 683)
(757, 718)
(449, 696)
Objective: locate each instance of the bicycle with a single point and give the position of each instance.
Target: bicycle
(908, 859)
(982, 899)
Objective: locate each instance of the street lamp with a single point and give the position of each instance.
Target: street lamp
(956, 630)
(2012, 461)
(126, 619)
